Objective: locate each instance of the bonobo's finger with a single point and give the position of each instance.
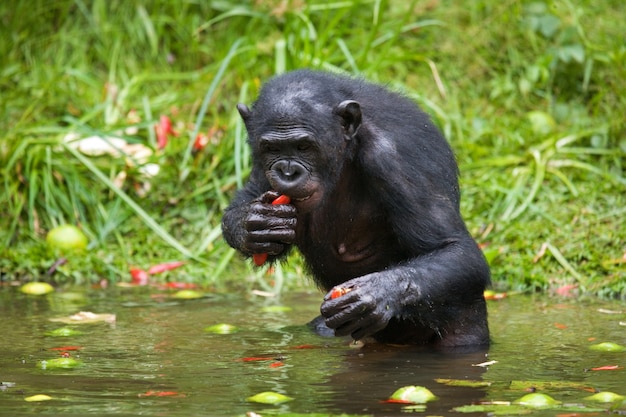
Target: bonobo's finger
(280, 210)
(260, 222)
(271, 248)
(348, 313)
(367, 328)
(284, 235)
(268, 197)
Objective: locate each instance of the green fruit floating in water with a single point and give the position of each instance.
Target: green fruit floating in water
(37, 288)
(66, 238)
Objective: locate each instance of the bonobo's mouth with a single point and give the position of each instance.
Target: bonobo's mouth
(299, 200)
(307, 203)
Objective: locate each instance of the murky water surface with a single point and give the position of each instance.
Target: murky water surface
(158, 360)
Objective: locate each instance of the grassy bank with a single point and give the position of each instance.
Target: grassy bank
(532, 96)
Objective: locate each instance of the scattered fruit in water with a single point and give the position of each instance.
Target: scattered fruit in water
(188, 295)
(538, 400)
(413, 394)
(37, 288)
(38, 397)
(608, 347)
(221, 328)
(605, 397)
(269, 397)
(60, 363)
(63, 332)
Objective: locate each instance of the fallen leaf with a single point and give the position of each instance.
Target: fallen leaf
(483, 364)
(462, 382)
(85, 317)
(257, 358)
(161, 394)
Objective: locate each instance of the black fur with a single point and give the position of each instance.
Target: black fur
(375, 208)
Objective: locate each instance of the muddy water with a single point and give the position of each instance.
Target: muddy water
(156, 359)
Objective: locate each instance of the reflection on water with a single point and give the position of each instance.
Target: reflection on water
(157, 360)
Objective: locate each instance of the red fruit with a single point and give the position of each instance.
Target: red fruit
(260, 258)
(338, 292)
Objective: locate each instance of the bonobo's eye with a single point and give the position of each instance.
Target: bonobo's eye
(269, 146)
(304, 146)
(304, 143)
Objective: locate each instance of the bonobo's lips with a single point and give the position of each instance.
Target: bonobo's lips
(306, 203)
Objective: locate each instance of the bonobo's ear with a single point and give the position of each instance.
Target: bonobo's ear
(350, 112)
(244, 111)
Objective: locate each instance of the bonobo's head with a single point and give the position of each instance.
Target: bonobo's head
(301, 133)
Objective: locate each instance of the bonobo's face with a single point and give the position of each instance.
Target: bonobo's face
(301, 146)
(298, 163)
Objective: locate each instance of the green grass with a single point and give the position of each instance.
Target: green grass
(532, 96)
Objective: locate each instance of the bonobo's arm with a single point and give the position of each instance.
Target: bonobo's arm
(251, 224)
(447, 274)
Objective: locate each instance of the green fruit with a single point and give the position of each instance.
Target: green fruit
(66, 238)
(608, 347)
(38, 397)
(188, 295)
(222, 328)
(605, 397)
(537, 400)
(60, 363)
(269, 397)
(37, 288)
(413, 394)
(63, 332)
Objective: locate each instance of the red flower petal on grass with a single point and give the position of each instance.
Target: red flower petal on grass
(140, 277)
(163, 129)
(608, 368)
(167, 266)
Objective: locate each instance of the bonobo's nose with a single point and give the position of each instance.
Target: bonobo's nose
(288, 173)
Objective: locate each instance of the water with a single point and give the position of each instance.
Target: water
(157, 360)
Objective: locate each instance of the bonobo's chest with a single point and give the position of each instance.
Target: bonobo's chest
(348, 236)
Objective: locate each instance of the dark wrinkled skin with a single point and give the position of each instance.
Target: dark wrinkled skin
(374, 207)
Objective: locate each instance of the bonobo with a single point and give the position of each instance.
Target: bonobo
(374, 210)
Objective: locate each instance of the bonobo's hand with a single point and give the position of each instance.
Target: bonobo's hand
(268, 228)
(368, 305)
